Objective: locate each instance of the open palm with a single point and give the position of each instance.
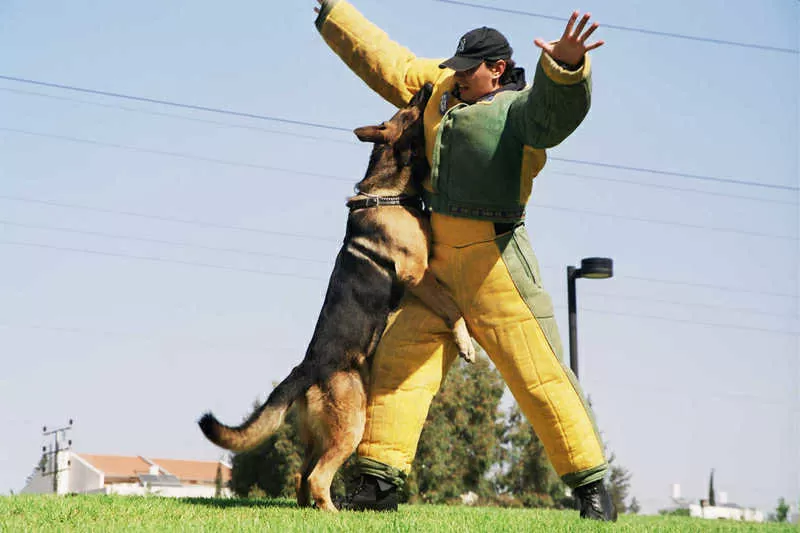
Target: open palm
(572, 45)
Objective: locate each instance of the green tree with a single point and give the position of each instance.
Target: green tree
(619, 484)
(460, 440)
(272, 466)
(634, 506)
(782, 511)
(618, 481)
(681, 511)
(529, 475)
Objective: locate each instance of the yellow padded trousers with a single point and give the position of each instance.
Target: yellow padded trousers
(495, 281)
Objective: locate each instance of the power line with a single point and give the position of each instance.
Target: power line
(726, 288)
(676, 174)
(326, 126)
(687, 321)
(337, 178)
(629, 28)
(150, 338)
(157, 259)
(173, 104)
(283, 274)
(162, 218)
(313, 237)
(669, 188)
(180, 117)
(688, 304)
(161, 241)
(326, 262)
(175, 154)
(355, 143)
(710, 286)
(665, 222)
(143, 336)
(676, 392)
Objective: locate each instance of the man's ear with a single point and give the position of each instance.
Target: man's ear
(371, 134)
(499, 67)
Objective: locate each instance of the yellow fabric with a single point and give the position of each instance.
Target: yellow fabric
(395, 73)
(533, 161)
(563, 76)
(417, 349)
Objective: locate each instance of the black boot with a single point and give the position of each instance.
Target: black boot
(595, 503)
(370, 494)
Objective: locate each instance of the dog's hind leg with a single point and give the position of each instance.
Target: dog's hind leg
(434, 295)
(344, 419)
(310, 455)
(303, 493)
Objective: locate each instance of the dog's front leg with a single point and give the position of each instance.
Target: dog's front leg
(434, 295)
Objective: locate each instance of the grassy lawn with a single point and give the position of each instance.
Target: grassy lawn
(112, 513)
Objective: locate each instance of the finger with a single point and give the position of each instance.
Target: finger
(581, 25)
(590, 31)
(570, 24)
(592, 46)
(544, 45)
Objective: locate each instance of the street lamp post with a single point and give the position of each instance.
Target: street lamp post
(592, 268)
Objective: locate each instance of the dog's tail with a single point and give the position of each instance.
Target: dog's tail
(264, 421)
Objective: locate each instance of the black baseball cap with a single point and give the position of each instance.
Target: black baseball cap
(477, 46)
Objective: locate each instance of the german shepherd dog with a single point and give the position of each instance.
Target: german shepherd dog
(385, 251)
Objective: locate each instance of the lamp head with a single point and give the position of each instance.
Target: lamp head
(597, 267)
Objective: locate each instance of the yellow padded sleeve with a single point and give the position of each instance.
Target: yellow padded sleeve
(388, 68)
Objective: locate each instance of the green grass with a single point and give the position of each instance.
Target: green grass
(113, 513)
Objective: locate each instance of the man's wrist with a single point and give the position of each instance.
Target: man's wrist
(324, 10)
(569, 66)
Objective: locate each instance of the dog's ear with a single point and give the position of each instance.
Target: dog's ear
(372, 134)
(422, 96)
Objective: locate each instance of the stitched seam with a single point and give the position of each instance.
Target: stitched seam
(570, 454)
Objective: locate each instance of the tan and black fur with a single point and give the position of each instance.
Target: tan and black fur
(385, 251)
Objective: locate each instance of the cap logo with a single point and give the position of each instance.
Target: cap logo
(462, 44)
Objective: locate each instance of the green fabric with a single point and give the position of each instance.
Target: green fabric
(551, 112)
(324, 9)
(477, 159)
(364, 465)
(579, 479)
(522, 265)
(521, 262)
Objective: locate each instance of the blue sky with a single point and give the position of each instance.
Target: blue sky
(690, 353)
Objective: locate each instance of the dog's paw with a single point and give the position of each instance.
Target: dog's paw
(466, 350)
(468, 355)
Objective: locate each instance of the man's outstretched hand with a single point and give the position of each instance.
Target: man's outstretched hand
(572, 45)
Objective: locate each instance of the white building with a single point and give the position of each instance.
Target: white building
(723, 509)
(731, 511)
(112, 474)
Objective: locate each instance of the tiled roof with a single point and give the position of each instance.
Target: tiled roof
(202, 471)
(116, 466)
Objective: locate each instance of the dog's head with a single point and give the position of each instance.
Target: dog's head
(399, 152)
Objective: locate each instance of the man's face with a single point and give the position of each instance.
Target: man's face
(477, 82)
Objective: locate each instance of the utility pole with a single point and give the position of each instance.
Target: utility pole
(58, 439)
